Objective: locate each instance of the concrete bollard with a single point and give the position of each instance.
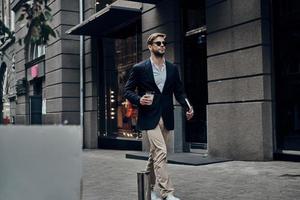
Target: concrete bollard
(143, 181)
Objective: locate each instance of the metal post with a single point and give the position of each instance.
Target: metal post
(143, 181)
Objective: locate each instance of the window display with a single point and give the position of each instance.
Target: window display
(127, 54)
(121, 115)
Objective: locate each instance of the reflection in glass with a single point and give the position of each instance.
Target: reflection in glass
(127, 54)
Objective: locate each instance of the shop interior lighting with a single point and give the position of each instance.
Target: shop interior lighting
(112, 100)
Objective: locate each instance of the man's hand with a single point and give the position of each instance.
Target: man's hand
(145, 100)
(189, 114)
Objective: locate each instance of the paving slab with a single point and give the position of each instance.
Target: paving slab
(108, 175)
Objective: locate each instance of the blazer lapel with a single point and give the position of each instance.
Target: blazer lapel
(167, 75)
(149, 70)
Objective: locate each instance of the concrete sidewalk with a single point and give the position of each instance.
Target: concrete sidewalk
(108, 175)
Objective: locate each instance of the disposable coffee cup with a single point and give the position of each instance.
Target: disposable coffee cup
(150, 96)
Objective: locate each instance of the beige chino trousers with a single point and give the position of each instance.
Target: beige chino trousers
(157, 162)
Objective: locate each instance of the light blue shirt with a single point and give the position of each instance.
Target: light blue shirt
(159, 74)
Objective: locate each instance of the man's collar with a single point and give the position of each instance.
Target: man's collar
(156, 66)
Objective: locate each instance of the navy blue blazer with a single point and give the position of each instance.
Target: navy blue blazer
(141, 79)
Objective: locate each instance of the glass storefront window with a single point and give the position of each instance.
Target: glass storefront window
(120, 54)
(127, 54)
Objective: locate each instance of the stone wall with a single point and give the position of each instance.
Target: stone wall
(239, 110)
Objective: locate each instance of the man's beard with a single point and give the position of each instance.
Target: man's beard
(158, 54)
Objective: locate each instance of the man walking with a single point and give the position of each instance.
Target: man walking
(151, 86)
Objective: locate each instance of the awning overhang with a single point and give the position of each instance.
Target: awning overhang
(108, 20)
(147, 1)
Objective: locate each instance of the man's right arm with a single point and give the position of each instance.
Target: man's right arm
(130, 87)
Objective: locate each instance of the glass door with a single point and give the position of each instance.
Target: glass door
(36, 109)
(286, 46)
(195, 69)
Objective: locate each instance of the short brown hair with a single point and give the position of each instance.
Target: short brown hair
(153, 36)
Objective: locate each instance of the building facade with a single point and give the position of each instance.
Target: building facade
(47, 76)
(7, 65)
(239, 74)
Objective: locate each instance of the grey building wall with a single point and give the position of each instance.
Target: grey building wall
(91, 76)
(62, 66)
(21, 101)
(239, 113)
(61, 81)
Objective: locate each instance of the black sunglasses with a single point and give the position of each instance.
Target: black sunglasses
(158, 43)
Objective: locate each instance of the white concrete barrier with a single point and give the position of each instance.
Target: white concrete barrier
(40, 162)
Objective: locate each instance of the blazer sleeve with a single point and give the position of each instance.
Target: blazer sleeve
(179, 90)
(130, 87)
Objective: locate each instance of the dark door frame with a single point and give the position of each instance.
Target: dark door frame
(195, 31)
(279, 139)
